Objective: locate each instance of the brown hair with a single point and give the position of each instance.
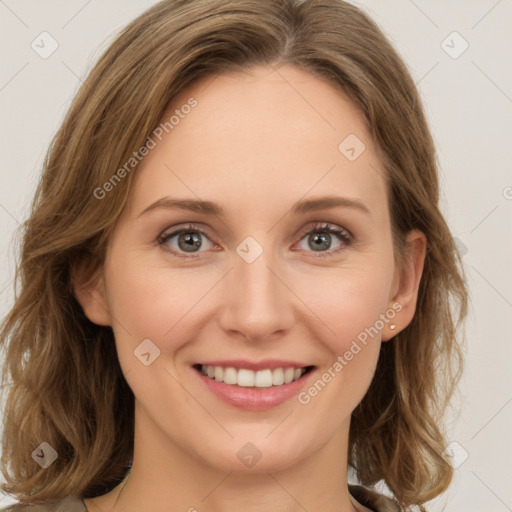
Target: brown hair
(67, 388)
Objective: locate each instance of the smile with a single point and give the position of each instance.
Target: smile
(257, 389)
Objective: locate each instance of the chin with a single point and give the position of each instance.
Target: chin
(256, 454)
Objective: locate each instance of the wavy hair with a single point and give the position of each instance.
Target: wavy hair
(61, 375)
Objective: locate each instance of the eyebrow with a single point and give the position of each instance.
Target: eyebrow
(300, 207)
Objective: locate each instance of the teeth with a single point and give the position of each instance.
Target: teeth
(289, 374)
(278, 377)
(245, 378)
(230, 376)
(248, 378)
(263, 379)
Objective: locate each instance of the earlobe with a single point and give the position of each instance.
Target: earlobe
(91, 295)
(406, 284)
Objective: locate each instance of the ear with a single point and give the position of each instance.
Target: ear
(90, 292)
(406, 282)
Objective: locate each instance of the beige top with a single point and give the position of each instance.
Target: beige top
(367, 497)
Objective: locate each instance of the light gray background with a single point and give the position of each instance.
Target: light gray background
(469, 105)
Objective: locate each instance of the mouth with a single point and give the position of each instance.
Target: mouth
(255, 379)
(254, 385)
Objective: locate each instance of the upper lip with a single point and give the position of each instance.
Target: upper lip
(255, 365)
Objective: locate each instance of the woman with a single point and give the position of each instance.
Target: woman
(236, 283)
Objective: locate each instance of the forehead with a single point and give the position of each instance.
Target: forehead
(275, 133)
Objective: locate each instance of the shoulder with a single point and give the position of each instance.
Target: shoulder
(372, 499)
(70, 504)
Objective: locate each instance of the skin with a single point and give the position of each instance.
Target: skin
(256, 143)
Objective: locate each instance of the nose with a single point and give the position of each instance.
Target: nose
(257, 299)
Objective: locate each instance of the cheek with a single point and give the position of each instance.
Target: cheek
(354, 310)
(155, 303)
(349, 303)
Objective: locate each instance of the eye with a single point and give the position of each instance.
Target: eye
(189, 240)
(320, 239)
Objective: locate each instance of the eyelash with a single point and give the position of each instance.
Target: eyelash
(345, 237)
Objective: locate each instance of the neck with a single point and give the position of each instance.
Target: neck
(164, 476)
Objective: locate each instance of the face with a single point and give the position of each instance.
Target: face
(270, 279)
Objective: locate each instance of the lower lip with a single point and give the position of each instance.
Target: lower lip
(254, 399)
